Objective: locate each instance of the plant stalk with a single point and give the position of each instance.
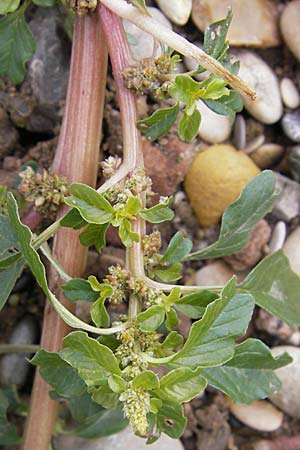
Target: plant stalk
(77, 158)
(176, 42)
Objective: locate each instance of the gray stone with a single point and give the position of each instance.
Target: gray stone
(239, 132)
(124, 440)
(287, 206)
(288, 397)
(13, 366)
(289, 93)
(291, 125)
(48, 69)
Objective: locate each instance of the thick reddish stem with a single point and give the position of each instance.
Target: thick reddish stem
(77, 158)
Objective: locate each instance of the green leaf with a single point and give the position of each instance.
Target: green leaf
(73, 220)
(158, 213)
(105, 397)
(83, 407)
(8, 6)
(127, 236)
(172, 341)
(147, 380)
(211, 339)
(185, 89)
(93, 207)
(194, 305)
(170, 419)
(178, 248)
(241, 217)
(117, 384)
(215, 88)
(132, 207)
(152, 318)
(16, 45)
(94, 235)
(8, 240)
(189, 125)
(228, 105)
(44, 3)
(140, 4)
(159, 123)
(8, 279)
(171, 273)
(94, 361)
(99, 314)
(215, 35)
(275, 287)
(171, 319)
(8, 432)
(60, 375)
(104, 423)
(181, 385)
(249, 374)
(78, 290)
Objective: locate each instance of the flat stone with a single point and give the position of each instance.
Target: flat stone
(214, 128)
(254, 22)
(14, 367)
(255, 72)
(287, 206)
(178, 12)
(291, 125)
(290, 26)
(288, 397)
(119, 441)
(267, 155)
(141, 43)
(289, 93)
(260, 415)
(48, 69)
(291, 250)
(216, 273)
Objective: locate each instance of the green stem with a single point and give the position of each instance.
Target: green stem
(46, 234)
(59, 269)
(158, 361)
(184, 289)
(18, 348)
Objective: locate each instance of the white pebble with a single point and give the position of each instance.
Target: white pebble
(177, 11)
(214, 128)
(260, 415)
(290, 26)
(278, 237)
(289, 93)
(291, 249)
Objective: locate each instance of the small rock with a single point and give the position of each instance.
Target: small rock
(13, 366)
(267, 155)
(255, 72)
(288, 397)
(183, 211)
(278, 237)
(214, 128)
(254, 144)
(287, 206)
(252, 252)
(125, 439)
(165, 176)
(11, 163)
(290, 26)
(291, 250)
(239, 132)
(178, 12)
(141, 43)
(294, 162)
(289, 93)
(215, 179)
(48, 69)
(214, 274)
(291, 125)
(8, 135)
(260, 415)
(258, 29)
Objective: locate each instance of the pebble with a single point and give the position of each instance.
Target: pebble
(141, 43)
(9, 136)
(255, 72)
(294, 162)
(291, 250)
(290, 26)
(239, 132)
(257, 29)
(260, 415)
(287, 206)
(291, 125)
(125, 439)
(278, 237)
(289, 93)
(214, 128)
(288, 397)
(254, 144)
(215, 274)
(48, 69)
(13, 366)
(267, 155)
(178, 12)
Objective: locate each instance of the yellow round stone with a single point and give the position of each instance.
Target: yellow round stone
(215, 179)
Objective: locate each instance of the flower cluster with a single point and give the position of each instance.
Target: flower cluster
(136, 408)
(118, 279)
